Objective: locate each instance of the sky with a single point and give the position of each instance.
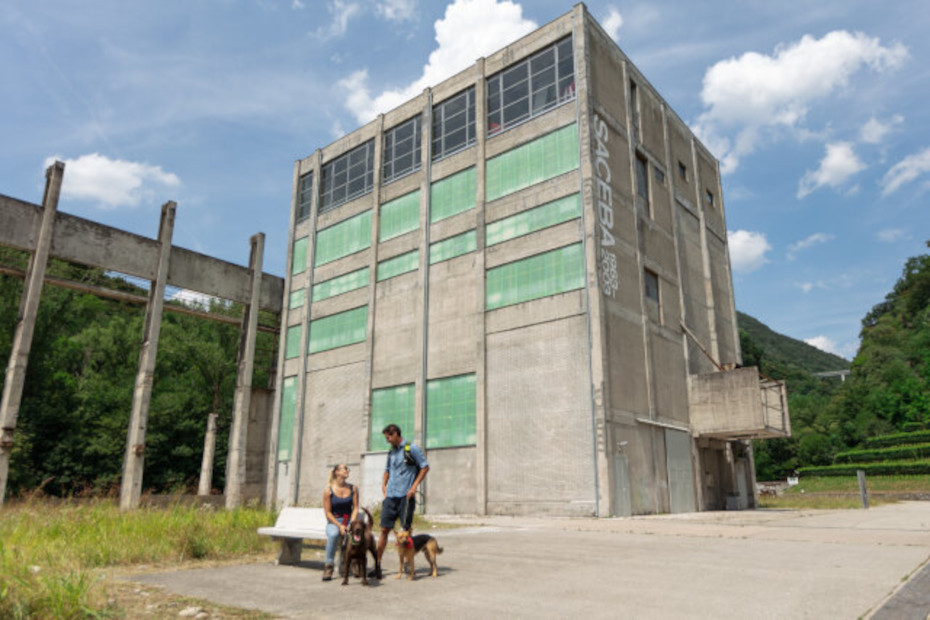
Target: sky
(817, 112)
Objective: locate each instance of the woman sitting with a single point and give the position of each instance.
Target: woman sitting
(340, 501)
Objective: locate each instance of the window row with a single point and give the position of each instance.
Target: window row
(450, 412)
(542, 275)
(519, 92)
(536, 161)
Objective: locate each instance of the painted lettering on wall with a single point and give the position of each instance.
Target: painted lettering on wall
(607, 258)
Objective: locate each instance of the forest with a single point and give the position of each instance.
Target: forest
(71, 430)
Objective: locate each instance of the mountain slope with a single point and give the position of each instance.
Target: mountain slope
(782, 350)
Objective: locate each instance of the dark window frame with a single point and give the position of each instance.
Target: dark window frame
(347, 177)
(397, 150)
(531, 87)
(304, 196)
(446, 119)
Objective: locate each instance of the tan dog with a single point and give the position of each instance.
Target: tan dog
(408, 546)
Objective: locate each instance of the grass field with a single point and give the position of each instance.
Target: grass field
(843, 492)
(57, 561)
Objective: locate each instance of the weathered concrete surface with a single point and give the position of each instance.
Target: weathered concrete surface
(762, 564)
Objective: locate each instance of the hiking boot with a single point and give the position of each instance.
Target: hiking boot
(328, 572)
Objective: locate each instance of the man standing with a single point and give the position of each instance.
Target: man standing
(404, 471)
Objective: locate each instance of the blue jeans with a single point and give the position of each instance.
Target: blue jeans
(332, 540)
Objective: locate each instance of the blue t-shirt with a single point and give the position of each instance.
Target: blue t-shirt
(402, 475)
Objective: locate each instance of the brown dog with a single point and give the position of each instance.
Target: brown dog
(408, 546)
(360, 543)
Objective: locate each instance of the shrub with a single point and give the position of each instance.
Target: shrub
(897, 439)
(896, 453)
(888, 468)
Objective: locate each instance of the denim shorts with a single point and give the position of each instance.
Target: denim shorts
(392, 509)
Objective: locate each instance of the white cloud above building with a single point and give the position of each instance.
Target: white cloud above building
(468, 30)
(875, 131)
(113, 183)
(747, 250)
(906, 171)
(839, 164)
(808, 242)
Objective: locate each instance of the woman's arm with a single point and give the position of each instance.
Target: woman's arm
(328, 507)
(354, 504)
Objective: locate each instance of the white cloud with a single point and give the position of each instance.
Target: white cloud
(836, 167)
(874, 131)
(906, 171)
(297, 4)
(747, 250)
(194, 299)
(807, 287)
(397, 10)
(824, 344)
(752, 97)
(341, 12)
(112, 183)
(612, 23)
(812, 240)
(892, 235)
(470, 29)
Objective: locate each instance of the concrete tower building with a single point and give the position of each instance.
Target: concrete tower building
(525, 267)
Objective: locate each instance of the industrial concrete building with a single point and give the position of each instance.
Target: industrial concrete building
(526, 268)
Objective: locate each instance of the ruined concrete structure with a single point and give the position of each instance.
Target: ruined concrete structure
(526, 268)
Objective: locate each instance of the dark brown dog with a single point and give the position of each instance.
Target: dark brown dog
(360, 543)
(408, 546)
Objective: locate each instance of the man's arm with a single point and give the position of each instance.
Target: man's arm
(384, 482)
(417, 481)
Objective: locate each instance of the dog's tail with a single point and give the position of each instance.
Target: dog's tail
(371, 520)
(438, 549)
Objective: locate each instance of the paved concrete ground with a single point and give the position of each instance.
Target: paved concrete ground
(753, 564)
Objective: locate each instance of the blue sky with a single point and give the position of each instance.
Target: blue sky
(817, 110)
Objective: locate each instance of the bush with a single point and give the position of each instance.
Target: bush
(897, 439)
(910, 451)
(888, 468)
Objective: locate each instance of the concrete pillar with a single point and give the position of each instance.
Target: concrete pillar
(26, 322)
(209, 451)
(235, 464)
(134, 459)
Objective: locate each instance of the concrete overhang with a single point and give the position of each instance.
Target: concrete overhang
(738, 404)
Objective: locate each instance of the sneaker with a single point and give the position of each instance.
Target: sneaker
(328, 572)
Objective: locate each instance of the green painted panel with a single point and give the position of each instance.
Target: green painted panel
(452, 247)
(538, 276)
(533, 162)
(450, 412)
(453, 194)
(292, 343)
(299, 263)
(342, 284)
(393, 405)
(543, 216)
(286, 426)
(346, 237)
(399, 264)
(399, 216)
(338, 330)
(298, 298)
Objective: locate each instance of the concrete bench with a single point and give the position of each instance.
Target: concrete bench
(292, 527)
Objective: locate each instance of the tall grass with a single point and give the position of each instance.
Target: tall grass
(48, 554)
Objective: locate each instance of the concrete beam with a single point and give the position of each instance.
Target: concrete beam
(42, 232)
(134, 460)
(89, 243)
(209, 451)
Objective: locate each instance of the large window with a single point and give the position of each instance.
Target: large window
(453, 194)
(651, 291)
(297, 299)
(346, 237)
(454, 123)
(292, 342)
(531, 87)
(450, 412)
(543, 158)
(338, 330)
(304, 196)
(535, 277)
(405, 263)
(348, 176)
(402, 149)
(286, 423)
(299, 257)
(341, 284)
(452, 247)
(531, 220)
(392, 405)
(399, 216)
